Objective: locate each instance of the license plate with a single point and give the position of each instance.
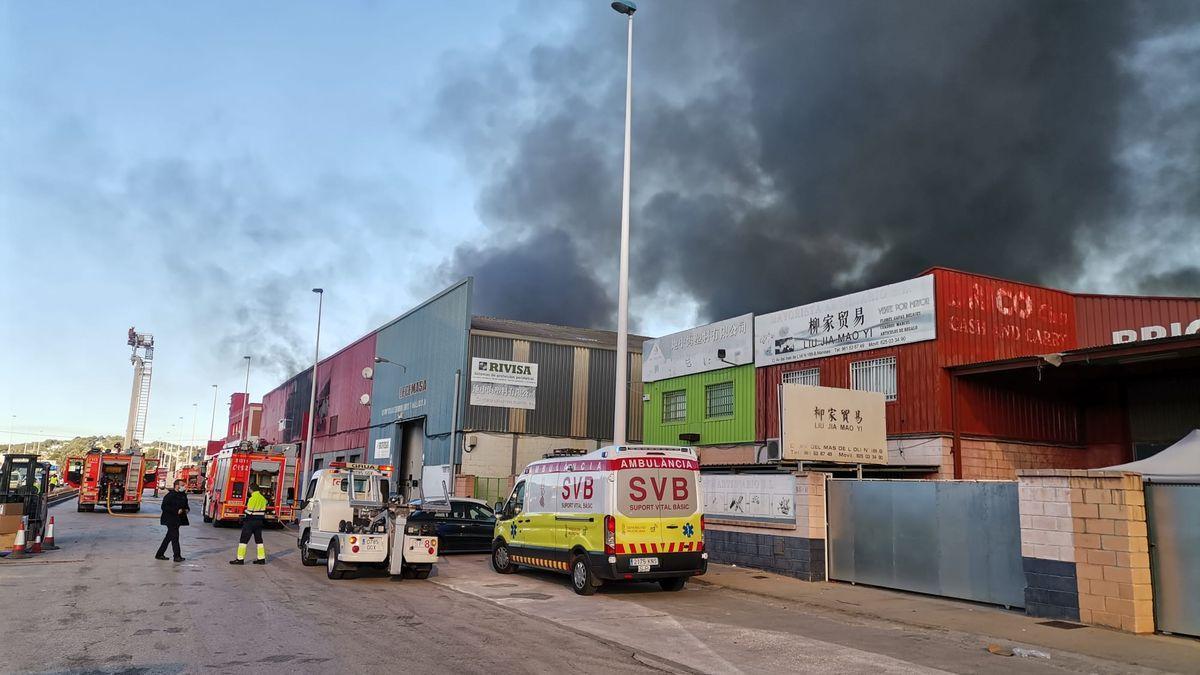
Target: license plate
(643, 562)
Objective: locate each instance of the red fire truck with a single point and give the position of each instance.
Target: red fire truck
(192, 479)
(74, 473)
(232, 471)
(150, 468)
(111, 480)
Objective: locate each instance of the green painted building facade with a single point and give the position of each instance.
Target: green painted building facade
(718, 405)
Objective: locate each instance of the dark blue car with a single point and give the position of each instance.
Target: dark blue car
(466, 528)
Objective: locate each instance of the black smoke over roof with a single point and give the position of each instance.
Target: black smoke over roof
(790, 151)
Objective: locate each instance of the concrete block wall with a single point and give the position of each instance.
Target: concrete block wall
(1089, 527)
(796, 549)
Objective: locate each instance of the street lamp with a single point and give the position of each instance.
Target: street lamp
(401, 366)
(212, 423)
(312, 396)
(192, 443)
(246, 402)
(626, 7)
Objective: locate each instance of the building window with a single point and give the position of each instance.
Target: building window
(718, 400)
(807, 376)
(674, 406)
(875, 375)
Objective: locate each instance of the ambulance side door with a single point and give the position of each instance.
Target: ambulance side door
(509, 520)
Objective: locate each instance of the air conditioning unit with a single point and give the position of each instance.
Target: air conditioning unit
(770, 454)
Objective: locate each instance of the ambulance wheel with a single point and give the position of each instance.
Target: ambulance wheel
(308, 558)
(583, 581)
(673, 584)
(331, 562)
(501, 560)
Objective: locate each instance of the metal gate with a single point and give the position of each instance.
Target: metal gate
(954, 539)
(1173, 516)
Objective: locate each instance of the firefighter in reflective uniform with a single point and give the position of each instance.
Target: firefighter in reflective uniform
(252, 525)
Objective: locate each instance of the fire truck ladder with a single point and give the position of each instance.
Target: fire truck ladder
(139, 404)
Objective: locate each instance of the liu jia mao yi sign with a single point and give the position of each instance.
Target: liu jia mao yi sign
(828, 424)
(503, 384)
(879, 317)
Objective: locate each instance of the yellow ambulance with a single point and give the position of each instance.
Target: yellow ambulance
(620, 513)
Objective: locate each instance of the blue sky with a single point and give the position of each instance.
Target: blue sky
(144, 141)
(194, 168)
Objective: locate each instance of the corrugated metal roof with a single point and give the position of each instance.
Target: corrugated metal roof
(583, 337)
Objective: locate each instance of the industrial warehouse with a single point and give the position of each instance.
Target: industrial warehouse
(982, 377)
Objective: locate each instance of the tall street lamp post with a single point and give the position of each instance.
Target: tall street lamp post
(626, 7)
(246, 403)
(212, 423)
(192, 443)
(312, 396)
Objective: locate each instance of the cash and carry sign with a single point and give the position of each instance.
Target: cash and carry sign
(695, 350)
(503, 384)
(830, 424)
(879, 317)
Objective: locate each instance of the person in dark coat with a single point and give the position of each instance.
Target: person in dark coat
(174, 515)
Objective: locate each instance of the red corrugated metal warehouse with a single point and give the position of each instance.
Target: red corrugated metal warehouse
(1013, 380)
(342, 419)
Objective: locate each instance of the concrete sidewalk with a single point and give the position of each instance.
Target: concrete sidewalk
(1004, 627)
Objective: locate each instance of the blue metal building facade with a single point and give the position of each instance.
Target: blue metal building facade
(414, 404)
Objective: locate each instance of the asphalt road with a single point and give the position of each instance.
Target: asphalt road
(103, 604)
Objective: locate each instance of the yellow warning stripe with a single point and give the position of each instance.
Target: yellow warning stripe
(541, 562)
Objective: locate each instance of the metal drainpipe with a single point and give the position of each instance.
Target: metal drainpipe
(956, 447)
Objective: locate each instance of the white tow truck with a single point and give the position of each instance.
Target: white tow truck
(349, 517)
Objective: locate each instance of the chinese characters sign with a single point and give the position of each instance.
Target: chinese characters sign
(828, 424)
(880, 317)
(695, 350)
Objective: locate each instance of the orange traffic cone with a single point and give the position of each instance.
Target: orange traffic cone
(19, 544)
(37, 545)
(49, 543)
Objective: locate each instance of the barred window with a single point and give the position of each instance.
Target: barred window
(808, 376)
(718, 400)
(875, 375)
(674, 406)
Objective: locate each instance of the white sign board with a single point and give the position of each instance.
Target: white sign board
(503, 384)
(515, 373)
(757, 498)
(831, 424)
(503, 395)
(880, 317)
(383, 448)
(695, 350)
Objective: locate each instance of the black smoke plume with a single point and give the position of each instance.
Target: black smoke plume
(790, 151)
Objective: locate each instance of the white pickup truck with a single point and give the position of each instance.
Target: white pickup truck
(349, 518)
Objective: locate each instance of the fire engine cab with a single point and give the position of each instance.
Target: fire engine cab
(111, 480)
(191, 477)
(74, 474)
(232, 471)
(350, 517)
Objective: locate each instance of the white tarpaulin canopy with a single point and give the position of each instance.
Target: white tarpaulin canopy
(1179, 462)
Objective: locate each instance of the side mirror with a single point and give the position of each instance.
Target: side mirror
(499, 508)
(303, 504)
